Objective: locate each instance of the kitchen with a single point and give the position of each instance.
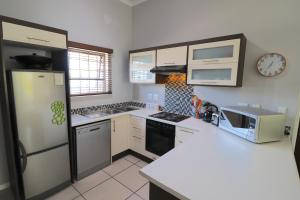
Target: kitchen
(153, 25)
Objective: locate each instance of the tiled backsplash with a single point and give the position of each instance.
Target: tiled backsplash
(107, 106)
(178, 95)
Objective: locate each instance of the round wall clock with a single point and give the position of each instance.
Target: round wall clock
(271, 64)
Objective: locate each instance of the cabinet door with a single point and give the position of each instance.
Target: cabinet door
(172, 56)
(119, 134)
(213, 74)
(140, 66)
(24, 34)
(214, 52)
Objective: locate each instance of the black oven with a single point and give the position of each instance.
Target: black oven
(160, 137)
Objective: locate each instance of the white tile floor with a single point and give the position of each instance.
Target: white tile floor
(119, 181)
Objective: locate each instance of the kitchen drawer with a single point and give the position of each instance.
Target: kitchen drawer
(182, 134)
(24, 34)
(138, 122)
(137, 144)
(137, 132)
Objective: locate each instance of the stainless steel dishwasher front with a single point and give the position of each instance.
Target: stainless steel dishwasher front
(93, 148)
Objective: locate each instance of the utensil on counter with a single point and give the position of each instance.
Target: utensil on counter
(196, 106)
(33, 61)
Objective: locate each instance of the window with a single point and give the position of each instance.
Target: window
(89, 70)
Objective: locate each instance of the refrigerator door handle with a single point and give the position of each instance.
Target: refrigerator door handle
(23, 156)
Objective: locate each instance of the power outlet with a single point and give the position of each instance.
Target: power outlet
(243, 104)
(282, 109)
(256, 106)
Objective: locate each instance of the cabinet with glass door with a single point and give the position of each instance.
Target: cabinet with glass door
(140, 65)
(217, 63)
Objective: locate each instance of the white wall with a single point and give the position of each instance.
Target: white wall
(269, 25)
(106, 23)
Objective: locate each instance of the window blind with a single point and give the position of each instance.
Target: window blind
(90, 72)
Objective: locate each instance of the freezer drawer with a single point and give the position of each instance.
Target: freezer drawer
(45, 171)
(93, 148)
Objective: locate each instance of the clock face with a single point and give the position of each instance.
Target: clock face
(271, 64)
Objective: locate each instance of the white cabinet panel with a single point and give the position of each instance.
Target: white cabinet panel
(213, 74)
(226, 51)
(140, 65)
(182, 134)
(138, 134)
(215, 63)
(119, 134)
(28, 35)
(172, 56)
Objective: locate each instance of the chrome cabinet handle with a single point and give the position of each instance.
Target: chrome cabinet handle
(186, 131)
(137, 137)
(114, 125)
(94, 129)
(208, 61)
(23, 156)
(208, 82)
(171, 63)
(37, 39)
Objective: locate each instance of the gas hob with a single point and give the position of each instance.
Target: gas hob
(170, 116)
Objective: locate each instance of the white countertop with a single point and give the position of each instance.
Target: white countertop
(78, 120)
(214, 165)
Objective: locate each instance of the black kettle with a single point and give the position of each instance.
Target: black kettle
(210, 110)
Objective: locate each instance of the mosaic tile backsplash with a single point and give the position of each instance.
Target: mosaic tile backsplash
(107, 106)
(178, 95)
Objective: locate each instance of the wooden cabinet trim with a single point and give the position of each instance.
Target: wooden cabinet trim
(32, 25)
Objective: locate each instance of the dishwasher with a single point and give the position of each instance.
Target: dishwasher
(93, 148)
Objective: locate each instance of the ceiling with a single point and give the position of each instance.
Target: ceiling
(132, 2)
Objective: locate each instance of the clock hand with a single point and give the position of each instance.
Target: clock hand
(270, 65)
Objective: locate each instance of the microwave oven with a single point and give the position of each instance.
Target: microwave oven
(253, 124)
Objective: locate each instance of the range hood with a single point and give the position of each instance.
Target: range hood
(166, 70)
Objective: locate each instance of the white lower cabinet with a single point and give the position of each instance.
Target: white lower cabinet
(137, 136)
(182, 134)
(129, 132)
(119, 134)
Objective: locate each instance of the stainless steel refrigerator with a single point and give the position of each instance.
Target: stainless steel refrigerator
(40, 130)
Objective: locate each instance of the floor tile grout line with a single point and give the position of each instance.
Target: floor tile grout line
(110, 177)
(139, 189)
(119, 171)
(80, 194)
(130, 188)
(131, 161)
(96, 185)
(76, 191)
(123, 185)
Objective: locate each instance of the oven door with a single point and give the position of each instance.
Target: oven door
(160, 137)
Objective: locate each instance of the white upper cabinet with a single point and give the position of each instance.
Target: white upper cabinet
(140, 65)
(214, 52)
(28, 35)
(217, 63)
(172, 56)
